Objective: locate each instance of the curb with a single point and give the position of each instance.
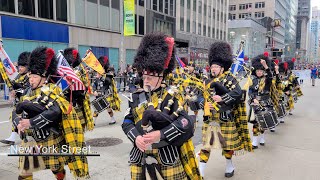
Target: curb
(5, 105)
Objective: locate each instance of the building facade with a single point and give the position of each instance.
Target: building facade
(83, 24)
(315, 30)
(252, 32)
(283, 36)
(303, 23)
(199, 23)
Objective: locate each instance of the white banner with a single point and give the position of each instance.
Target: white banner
(302, 74)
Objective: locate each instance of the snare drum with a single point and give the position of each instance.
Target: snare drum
(282, 110)
(267, 119)
(100, 104)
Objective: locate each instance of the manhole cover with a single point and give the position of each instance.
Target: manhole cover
(104, 142)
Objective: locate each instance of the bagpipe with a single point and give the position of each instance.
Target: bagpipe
(29, 109)
(157, 119)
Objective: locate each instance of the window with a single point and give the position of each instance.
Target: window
(259, 5)
(171, 7)
(166, 6)
(141, 25)
(200, 7)
(92, 13)
(188, 4)
(244, 15)
(232, 16)
(115, 4)
(209, 11)
(204, 31)
(205, 10)
(115, 15)
(218, 13)
(141, 2)
(259, 14)
(199, 28)
(45, 9)
(154, 5)
(213, 13)
(182, 3)
(194, 5)
(232, 7)
(26, 7)
(213, 31)
(194, 27)
(104, 14)
(62, 10)
(209, 31)
(161, 6)
(188, 25)
(221, 17)
(79, 14)
(135, 24)
(242, 6)
(181, 24)
(7, 5)
(221, 34)
(245, 6)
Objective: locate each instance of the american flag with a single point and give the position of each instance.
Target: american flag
(65, 69)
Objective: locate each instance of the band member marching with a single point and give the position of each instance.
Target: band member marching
(227, 127)
(43, 118)
(80, 98)
(156, 123)
(260, 100)
(104, 85)
(193, 104)
(19, 85)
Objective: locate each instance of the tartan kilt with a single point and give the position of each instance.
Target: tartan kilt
(114, 103)
(229, 132)
(79, 111)
(299, 92)
(168, 172)
(53, 163)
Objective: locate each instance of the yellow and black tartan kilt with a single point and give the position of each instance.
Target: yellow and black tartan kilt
(79, 111)
(168, 172)
(114, 103)
(299, 92)
(229, 132)
(290, 103)
(53, 163)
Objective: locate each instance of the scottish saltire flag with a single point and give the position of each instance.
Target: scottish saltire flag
(237, 65)
(180, 62)
(9, 67)
(64, 68)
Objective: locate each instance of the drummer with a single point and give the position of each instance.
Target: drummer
(104, 86)
(259, 94)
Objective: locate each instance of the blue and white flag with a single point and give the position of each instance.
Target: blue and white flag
(237, 66)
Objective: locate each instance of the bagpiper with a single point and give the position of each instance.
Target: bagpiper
(19, 86)
(42, 120)
(225, 124)
(155, 122)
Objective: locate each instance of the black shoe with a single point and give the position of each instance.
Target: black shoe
(272, 130)
(229, 175)
(7, 142)
(262, 144)
(254, 147)
(281, 121)
(290, 113)
(111, 123)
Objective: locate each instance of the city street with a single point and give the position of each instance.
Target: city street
(291, 153)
